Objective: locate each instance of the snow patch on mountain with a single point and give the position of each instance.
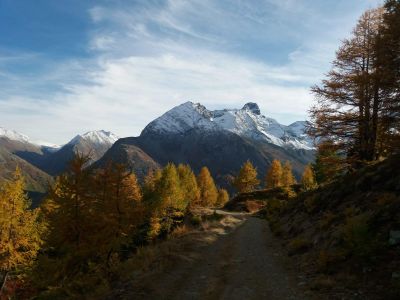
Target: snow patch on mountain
(98, 137)
(247, 122)
(13, 135)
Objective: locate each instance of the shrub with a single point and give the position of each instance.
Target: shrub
(326, 219)
(298, 245)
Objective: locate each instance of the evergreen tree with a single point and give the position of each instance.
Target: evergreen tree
(20, 232)
(223, 197)
(287, 175)
(208, 190)
(274, 175)
(246, 180)
(308, 179)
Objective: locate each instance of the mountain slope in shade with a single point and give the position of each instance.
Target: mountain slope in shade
(92, 143)
(16, 150)
(126, 152)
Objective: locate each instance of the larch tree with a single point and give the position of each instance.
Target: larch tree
(308, 181)
(246, 180)
(350, 101)
(223, 197)
(273, 178)
(20, 232)
(208, 190)
(69, 213)
(287, 175)
(119, 212)
(388, 66)
(188, 184)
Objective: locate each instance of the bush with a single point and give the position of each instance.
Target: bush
(298, 245)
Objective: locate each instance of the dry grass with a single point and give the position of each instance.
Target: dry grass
(179, 246)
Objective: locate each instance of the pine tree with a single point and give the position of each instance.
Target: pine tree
(20, 231)
(223, 197)
(246, 180)
(274, 175)
(287, 175)
(208, 190)
(308, 179)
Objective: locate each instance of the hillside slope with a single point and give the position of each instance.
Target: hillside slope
(346, 235)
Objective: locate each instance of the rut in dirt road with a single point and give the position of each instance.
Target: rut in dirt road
(243, 264)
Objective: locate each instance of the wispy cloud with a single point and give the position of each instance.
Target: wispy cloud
(147, 56)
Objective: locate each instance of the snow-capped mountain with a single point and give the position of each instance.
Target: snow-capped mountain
(246, 122)
(98, 137)
(13, 135)
(222, 140)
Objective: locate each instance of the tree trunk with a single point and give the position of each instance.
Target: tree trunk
(3, 283)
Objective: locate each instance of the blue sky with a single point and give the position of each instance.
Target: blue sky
(67, 67)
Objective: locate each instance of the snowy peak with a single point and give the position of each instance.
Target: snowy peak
(247, 122)
(98, 137)
(13, 135)
(252, 107)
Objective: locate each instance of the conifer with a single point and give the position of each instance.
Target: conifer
(223, 197)
(20, 233)
(188, 184)
(246, 180)
(274, 175)
(208, 190)
(308, 179)
(287, 175)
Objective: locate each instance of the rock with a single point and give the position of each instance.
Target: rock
(394, 237)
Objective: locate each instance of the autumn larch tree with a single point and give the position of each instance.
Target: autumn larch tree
(208, 190)
(246, 180)
(223, 197)
(273, 178)
(20, 232)
(308, 181)
(287, 175)
(188, 184)
(350, 102)
(388, 66)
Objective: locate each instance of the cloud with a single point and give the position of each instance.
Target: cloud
(147, 57)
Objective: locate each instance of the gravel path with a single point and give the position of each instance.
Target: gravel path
(245, 263)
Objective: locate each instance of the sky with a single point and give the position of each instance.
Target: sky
(68, 67)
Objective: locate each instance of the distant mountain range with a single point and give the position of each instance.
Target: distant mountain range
(189, 133)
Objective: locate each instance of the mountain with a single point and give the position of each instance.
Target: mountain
(13, 148)
(246, 122)
(92, 143)
(222, 140)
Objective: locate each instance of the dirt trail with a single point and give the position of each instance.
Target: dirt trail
(245, 263)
